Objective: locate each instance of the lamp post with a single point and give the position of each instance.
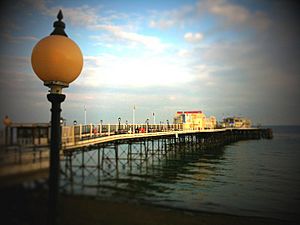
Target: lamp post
(63, 121)
(101, 122)
(153, 114)
(57, 61)
(7, 122)
(84, 107)
(119, 127)
(147, 125)
(168, 125)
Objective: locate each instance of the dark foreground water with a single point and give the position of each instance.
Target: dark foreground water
(251, 178)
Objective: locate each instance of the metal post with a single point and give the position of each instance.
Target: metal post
(101, 127)
(73, 137)
(91, 130)
(129, 152)
(84, 115)
(56, 100)
(80, 132)
(168, 125)
(133, 118)
(99, 153)
(119, 127)
(6, 135)
(117, 160)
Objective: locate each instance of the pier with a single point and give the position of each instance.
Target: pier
(116, 144)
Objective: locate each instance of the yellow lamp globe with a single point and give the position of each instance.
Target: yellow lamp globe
(57, 58)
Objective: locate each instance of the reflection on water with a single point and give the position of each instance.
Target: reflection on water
(253, 178)
(138, 178)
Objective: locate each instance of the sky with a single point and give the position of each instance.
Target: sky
(224, 57)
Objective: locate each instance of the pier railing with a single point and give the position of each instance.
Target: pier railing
(21, 135)
(72, 134)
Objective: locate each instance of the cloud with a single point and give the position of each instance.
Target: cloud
(15, 72)
(163, 24)
(149, 42)
(83, 15)
(171, 18)
(80, 16)
(233, 14)
(193, 38)
(135, 72)
(18, 39)
(183, 53)
(90, 18)
(230, 14)
(37, 4)
(13, 62)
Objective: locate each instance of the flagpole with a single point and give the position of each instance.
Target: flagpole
(84, 115)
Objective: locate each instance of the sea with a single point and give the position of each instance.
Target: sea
(259, 178)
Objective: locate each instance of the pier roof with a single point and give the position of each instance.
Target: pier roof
(189, 112)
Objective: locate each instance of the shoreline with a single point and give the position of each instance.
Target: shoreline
(21, 206)
(158, 214)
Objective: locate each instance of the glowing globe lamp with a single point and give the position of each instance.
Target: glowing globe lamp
(56, 59)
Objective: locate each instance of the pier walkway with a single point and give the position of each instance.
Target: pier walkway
(92, 139)
(114, 142)
(74, 137)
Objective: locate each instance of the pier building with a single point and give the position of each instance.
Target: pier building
(194, 120)
(27, 134)
(237, 122)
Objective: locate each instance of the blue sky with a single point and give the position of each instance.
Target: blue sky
(220, 56)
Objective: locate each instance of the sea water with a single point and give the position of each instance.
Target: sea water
(250, 178)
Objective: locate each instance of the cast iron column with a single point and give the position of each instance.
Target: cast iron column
(56, 100)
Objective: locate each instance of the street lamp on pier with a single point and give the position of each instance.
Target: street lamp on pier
(63, 121)
(119, 119)
(101, 122)
(7, 122)
(57, 61)
(153, 114)
(147, 125)
(168, 125)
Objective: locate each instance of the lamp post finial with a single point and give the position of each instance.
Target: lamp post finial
(60, 15)
(59, 26)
